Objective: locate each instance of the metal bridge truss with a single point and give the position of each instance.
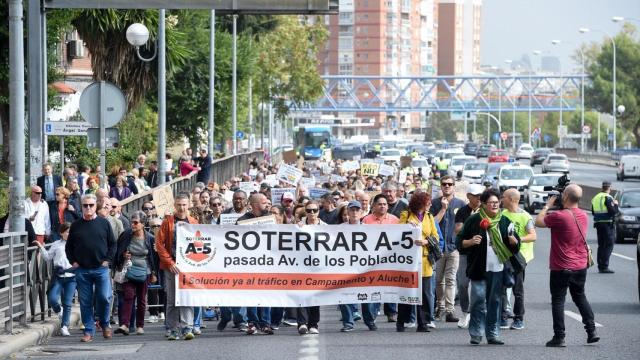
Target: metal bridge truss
(350, 93)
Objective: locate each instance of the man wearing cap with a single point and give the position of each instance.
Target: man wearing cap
(473, 195)
(37, 211)
(288, 202)
(604, 208)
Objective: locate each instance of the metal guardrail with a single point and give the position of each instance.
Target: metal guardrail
(221, 170)
(14, 288)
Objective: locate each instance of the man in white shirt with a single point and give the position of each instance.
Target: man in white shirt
(37, 211)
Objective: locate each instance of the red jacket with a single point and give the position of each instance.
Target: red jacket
(164, 241)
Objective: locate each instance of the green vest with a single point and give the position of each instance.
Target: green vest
(441, 165)
(520, 220)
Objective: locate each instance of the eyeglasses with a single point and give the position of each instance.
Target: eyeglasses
(446, 184)
(37, 193)
(311, 211)
(148, 208)
(134, 222)
(287, 200)
(87, 206)
(215, 204)
(493, 203)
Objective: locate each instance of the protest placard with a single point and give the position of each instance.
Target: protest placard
(289, 174)
(386, 170)
(316, 193)
(369, 169)
(292, 266)
(276, 194)
(227, 219)
(163, 200)
(308, 182)
(350, 165)
(262, 220)
(248, 186)
(402, 178)
(290, 157)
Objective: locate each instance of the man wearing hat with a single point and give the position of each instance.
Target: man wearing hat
(604, 208)
(288, 203)
(37, 211)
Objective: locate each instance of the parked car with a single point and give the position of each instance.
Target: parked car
(470, 148)
(473, 172)
(498, 156)
(627, 221)
(555, 163)
(539, 155)
(490, 175)
(524, 152)
(515, 176)
(628, 167)
(391, 156)
(447, 154)
(458, 162)
(535, 197)
(348, 152)
(484, 150)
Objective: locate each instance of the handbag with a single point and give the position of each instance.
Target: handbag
(590, 261)
(136, 273)
(518, 263)
(120, 276)
(435, 253)
(508, 278)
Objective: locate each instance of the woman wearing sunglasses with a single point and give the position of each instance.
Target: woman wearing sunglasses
(308, 317)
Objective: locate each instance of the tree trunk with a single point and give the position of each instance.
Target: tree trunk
(636, 132)
(4, 119)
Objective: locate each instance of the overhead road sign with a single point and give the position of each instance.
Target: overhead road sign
(221, 7)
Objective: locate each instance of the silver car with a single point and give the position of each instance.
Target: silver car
(555, 163)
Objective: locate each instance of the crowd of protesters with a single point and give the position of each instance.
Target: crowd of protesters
(472, 249)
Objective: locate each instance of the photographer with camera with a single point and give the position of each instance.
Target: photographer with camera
(604, 208)
(568, 260)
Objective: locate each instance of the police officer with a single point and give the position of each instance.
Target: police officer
(604, 208)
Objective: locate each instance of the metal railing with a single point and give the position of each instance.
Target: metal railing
(13, 279)
(221, 170)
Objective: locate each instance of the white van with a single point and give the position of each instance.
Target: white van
(629, 167)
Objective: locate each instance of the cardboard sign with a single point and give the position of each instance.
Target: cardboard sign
(290, 157)
(402, 178)
(289, 174)
(248, 186)
(337, 178)
(262, 220)
(253, 172)
(276, 194)
(369, 169)
(163, 200)
(308, 182)
(386, 170)
(229, 219)
(405, 161)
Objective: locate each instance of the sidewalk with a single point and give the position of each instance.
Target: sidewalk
(35, 333)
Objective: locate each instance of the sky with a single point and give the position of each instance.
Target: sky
(512, 28)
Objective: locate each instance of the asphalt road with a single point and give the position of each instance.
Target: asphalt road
(614, 299)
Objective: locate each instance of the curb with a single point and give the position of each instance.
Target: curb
(594, 161)
(35, 333)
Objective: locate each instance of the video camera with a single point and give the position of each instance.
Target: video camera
(557, 191)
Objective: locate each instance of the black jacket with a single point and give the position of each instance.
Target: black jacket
(57, 182)
(477, 255)
(123, 244)
(69, 216)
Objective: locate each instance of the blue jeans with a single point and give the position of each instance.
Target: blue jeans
(197, 317)
(486, 306)
(86, 280)
(62, 288)
(368, 314)
(260, 316)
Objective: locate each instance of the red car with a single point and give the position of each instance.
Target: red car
(498, 156)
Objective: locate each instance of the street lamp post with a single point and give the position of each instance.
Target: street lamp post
(535, 52)
(561, 138)
(138, 35)
(513, 117)
(613, 112)
(490, 116)
(234, 89)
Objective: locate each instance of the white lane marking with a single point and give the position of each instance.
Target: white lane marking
(622, 256)
(577, 317)
(309, 348)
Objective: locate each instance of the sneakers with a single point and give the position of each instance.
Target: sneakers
(123, 329)
(517, 324)
(161, 316)
(347, 329)
(64, 331)
(139, 331)
(357, 316)
(290, 322)
(221, 325)
(303, 329)
(504, 324)
(606, 271)
(475, 340)
(251, 329)
(495, 341)
(463, 323)
(243, 327)
(314, 331)
(152, 319)
(173, 336)
(431, 325)
(439, 314)
(188, 335)
(556, 341)
(372, 327)
(451, 317)
(266, 330)
(410, 325)
(86, 338)
(197, 331)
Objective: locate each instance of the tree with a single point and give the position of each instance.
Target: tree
(600, 92)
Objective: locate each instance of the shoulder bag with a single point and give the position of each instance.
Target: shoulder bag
(590, 261)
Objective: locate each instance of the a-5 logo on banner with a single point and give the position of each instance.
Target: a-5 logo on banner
(198, 251)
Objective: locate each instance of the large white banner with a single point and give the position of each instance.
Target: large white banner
(292, 266)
